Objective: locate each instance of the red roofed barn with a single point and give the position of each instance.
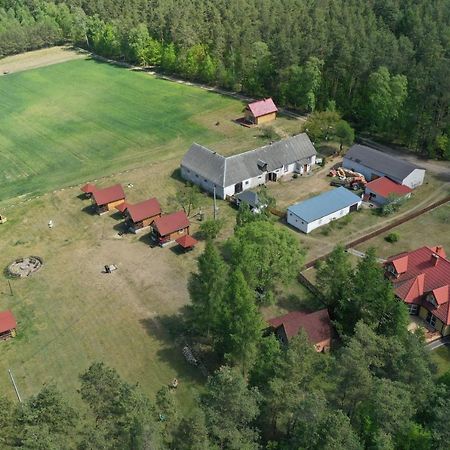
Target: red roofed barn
(170, 227)
(8, 325)
(261, 111)
(317, 326)
(381, 190)
(143, 214)
(421, 279)
(108, 198)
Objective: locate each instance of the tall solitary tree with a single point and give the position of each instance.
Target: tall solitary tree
(206, 289)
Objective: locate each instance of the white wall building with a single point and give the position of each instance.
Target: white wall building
(233, 174)
(374, 164)
(322, 209)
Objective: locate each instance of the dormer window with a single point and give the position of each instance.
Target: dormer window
(262, 165)
(391, 269)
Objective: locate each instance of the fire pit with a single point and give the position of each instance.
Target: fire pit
(24, 267)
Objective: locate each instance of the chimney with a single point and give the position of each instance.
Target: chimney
(440, 251)
(434, 259)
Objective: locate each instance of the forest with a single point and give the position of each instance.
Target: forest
(383, 64)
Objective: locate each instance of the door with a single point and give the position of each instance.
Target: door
(238, 188)
(354, 207)
(305, 168)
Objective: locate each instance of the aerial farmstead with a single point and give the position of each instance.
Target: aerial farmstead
(227, 176)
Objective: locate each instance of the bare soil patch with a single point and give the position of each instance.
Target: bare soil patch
(39, 58)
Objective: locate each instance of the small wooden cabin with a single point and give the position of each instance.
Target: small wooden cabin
(170, 227)
(8, 325)
(108, 199)
(143, 214)
(262, 111)
(317, 326)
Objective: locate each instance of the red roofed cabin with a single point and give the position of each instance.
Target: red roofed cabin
(143, 214)
(317, 326)
(108, 199)
(8, 325)
(421, 279)
(170, 227)
(261, 111)
(383, 190)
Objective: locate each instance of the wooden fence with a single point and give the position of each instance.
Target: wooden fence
(382, 230)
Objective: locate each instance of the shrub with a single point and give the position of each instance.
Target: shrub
(392, 237)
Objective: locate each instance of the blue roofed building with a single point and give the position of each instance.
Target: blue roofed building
(322, 209)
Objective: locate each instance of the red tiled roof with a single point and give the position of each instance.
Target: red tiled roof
(170, 223)
(88, 188)
(384, 187)
(187, 241)
(262, 107)
(108, 195)
(426, 270)
(317, 325)
(144, 210)
(7, 321)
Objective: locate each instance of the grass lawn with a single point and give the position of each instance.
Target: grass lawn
(441, 357)
(71, 122)
(431, 229)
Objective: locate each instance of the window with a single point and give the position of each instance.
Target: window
(196, 175)
(431, 319)
(247, 182)
(413, 309)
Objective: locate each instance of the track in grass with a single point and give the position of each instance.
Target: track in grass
(81, 119)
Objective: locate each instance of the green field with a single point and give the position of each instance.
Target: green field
(74, 121)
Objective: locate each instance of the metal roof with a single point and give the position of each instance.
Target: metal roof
(108, 195)
(249, 197)
(324, 204)
(226, 171)
(382, 162)
(262, 107)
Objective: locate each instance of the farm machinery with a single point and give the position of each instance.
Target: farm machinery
(347, 178)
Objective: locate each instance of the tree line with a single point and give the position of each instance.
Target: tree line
(385, 64)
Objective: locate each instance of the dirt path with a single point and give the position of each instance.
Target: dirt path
(39, 58)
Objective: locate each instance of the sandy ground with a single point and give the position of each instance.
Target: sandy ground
(39, 58)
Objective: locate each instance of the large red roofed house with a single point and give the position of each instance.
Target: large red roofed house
(317, 326)
(170, 227)
(261, 111)
(143, 214)
(108, 199)
(8, 325)
(382, 190)
(421, 279)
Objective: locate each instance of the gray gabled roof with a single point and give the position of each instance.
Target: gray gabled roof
(249, 197)
(205, 163)
(234, 169)
(379, 161)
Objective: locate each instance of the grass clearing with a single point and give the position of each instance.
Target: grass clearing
(79, 120)
(441, 357)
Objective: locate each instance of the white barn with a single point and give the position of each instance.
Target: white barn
(374, 164)
(322, 209)
(233, 174)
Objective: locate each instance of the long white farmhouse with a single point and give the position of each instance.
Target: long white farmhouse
(233, 174)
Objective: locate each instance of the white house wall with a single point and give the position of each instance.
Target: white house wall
(414, 179)
(202, 182)
(307, 227)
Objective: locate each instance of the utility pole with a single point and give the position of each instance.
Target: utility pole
(215, 206)
(15, 386)
(10, 288)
